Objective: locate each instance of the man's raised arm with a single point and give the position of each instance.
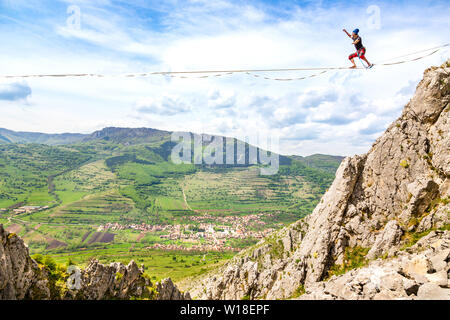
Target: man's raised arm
(349, 35)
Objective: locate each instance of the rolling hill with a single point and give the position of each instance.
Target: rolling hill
(9, 136)
(116, 194)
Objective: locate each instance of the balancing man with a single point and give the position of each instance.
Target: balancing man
(360, 49)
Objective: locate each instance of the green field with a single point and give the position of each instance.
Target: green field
(128, 179)
(159, 264)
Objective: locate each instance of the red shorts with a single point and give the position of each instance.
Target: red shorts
(360, 53)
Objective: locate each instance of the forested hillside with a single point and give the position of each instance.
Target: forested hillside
(116, 193)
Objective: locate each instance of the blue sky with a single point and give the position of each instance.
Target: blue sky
(340, 112)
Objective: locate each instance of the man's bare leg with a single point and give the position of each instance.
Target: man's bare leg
(367, 61)
(354, 64)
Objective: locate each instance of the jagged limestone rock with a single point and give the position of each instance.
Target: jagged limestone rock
(409, 276)
(431, 291)
(377, 202)
(390, 236)
(115, 281)
(21, 277)
(167, 290)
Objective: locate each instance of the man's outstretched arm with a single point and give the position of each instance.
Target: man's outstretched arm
(349, 35)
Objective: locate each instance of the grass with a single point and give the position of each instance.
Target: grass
(411, 238)
(353, 258)
(25, 170)
(57, 275)
(177, 265)
(93, 183)
(298, 292)
(94, 209)
(154, 186)
(276, 247)
(91, 177)
(244, 191)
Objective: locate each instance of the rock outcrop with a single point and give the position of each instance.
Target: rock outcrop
(21, 277)
(421, 272)
(117, 281)
(378, 203)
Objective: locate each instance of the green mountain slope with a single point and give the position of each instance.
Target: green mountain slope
(321, 161)
(125, 177)
(9, 136)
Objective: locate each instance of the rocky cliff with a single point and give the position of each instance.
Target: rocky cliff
(419, 272)
(21, 277)
(379, 205)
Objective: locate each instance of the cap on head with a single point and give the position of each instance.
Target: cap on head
(356, 31)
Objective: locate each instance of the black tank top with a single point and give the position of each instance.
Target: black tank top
(359, 45)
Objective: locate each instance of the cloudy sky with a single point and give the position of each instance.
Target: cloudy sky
(340, 112)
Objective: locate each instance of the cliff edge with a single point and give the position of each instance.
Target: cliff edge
(379, 206)
(22, 277)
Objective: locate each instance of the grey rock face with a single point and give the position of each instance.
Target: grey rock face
(390, 236)
(409, 276)
(117, 281)
(432, 291)
(168, 291)
(22, 278)
(377, 202)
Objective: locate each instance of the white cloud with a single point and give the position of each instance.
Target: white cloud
(339, 112)
(14, 91)
(163, 105)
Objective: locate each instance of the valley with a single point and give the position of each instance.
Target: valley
(116, 196)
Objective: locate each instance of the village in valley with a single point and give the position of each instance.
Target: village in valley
(201, 234)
